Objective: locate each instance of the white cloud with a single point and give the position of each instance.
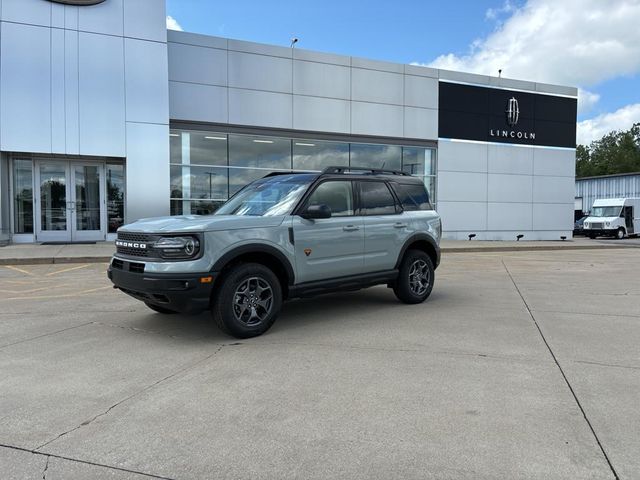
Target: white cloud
(571, 42)
(172, 24)
(494, 13)
(595, 128)
(586, 100)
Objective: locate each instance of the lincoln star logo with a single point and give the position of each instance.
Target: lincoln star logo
(513, 112)
(120, 243)
(81, 3)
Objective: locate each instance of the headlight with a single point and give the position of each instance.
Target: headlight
(586, 224)
(184, 248)
(607, 224)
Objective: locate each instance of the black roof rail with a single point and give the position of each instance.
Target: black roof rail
(274, 174)
(371, 171)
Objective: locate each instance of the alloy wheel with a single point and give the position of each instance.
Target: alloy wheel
(419, 277)
(252, 301)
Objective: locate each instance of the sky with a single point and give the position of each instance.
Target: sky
(590, 44)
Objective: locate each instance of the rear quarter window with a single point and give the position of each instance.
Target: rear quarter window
(413, 196)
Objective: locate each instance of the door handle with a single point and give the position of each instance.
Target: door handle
(350, 228)
(399, 225)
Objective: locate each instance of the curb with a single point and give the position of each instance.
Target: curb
(528, 248)
(533, 248)
(53, 260)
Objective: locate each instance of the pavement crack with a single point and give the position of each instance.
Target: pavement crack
(133, 395)
(44, 335)
(46, 466)
(564, 376)
(84, 462)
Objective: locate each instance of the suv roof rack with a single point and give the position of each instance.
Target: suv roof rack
(370, 171)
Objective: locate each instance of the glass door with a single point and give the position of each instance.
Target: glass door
(53, 205)
(87, 202)
(70, 201)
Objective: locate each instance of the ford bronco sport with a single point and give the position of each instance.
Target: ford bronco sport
(284, 236)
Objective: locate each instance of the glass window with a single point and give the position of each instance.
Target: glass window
(272, 196)
(207, 148)
(418, 161)
(316, 155)
(376, 199)
(270, 153)
(115, 196)
(412, 196)
(376, 156)
(23, 196)
(337, 195)
(199, 182)
(239, 177)
(175, 146)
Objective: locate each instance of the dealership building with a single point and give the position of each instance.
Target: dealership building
(106, 117)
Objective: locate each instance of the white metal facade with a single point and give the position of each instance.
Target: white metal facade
(608, 186)
(106, 80)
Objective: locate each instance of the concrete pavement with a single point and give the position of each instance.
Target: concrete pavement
(520, 365)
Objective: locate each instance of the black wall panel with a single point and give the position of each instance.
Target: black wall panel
(479, 113)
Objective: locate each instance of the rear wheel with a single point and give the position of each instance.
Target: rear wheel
(248, 301)
(157, 308)
(416, 277)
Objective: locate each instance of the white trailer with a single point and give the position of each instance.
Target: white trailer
(614, 217)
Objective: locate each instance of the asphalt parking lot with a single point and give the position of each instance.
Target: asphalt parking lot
(520, 365)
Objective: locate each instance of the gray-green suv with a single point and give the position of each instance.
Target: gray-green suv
(284, 236)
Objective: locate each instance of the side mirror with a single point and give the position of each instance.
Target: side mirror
(317, 211)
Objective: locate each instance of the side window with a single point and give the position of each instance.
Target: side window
(337, 195)
(376, 199)
(412, 196)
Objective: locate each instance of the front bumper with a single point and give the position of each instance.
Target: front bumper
(180, 292)
(600, 232)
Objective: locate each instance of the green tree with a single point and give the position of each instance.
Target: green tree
(616, 152)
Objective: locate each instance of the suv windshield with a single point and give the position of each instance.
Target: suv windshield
(267, 197)
(605, 211)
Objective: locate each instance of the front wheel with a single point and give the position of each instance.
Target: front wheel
(248, 301)
(620, 234)
(416, 277)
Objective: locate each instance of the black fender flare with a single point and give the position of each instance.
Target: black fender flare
(234, 253)
(419, 237)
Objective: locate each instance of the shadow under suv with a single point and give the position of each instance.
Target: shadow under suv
(284, 236)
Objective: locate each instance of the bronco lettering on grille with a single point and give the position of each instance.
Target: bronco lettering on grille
(120, 243)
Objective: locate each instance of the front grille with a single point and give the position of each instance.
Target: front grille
(596, 226)
(119, 264)
(134, 237)
(136, 267)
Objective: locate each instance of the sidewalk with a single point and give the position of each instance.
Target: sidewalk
(33, 254)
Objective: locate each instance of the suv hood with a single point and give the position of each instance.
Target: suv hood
(200, 223)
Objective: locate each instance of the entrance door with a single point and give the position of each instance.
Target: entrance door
(70, 201)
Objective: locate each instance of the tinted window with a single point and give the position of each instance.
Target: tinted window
(413, 196)
(376, 199)
(338, 196)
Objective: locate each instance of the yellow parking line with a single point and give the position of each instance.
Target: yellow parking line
(35, 289)
(16, 269)
(69, 295)
(67, 269)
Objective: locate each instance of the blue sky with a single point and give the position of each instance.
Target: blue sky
(591, 44)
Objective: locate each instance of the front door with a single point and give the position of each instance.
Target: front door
(70, 201)
(330, 247)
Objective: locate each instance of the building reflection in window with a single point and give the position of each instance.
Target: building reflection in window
(115, 196)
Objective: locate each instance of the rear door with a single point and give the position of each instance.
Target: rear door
(330, 247)
(385, 225)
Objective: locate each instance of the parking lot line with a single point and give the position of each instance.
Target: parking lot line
(16, 269)
(78, 267)
(64, 295)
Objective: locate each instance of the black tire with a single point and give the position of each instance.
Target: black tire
(620, 234)
(412, 290)
(157, 308)
(248, 301)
